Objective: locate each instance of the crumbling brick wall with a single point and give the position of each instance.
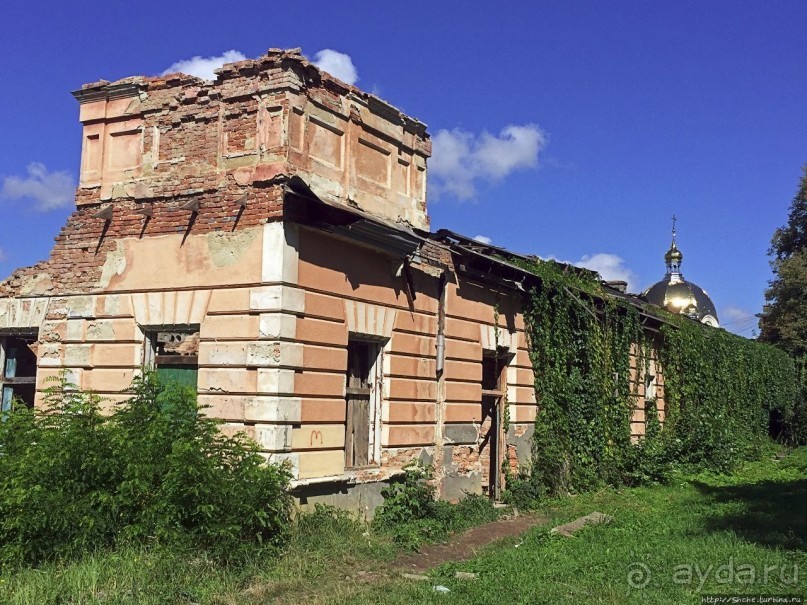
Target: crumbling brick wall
(85, 242)
(152, 146)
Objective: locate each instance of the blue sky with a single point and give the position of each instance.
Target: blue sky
(566, 129)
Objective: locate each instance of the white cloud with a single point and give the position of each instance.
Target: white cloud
(339, 65)
(48, 190)
(483, 239)
(461, 159)
(732, 313)
(610, 267)
(737, 319)
(203, 67)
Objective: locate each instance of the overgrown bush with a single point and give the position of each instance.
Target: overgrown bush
(580, 349)
(60, 471)
(155, 471)
(412, 515)
(522, 492)
(407, 499)
(647, 460)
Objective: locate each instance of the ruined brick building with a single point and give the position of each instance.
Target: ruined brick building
(265, 238)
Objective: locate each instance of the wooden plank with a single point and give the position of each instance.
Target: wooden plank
(177, 360)
(26, 380)
(349, 434)
(181, 374)
(361, 431)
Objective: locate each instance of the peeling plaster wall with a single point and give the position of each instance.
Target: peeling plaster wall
(178, 155)
(180, 221)
(99, 337)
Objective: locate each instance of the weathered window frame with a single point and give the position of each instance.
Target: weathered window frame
(494, 398)
(8, 383)
(153, 359)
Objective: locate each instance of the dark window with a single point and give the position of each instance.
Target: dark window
(18, 362)
(492, 374)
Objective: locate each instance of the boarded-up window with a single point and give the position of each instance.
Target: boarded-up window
(18, 363)
(362, 396)
(174, 354)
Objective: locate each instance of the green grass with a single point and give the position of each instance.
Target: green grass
(325, 547)
(749, 520)
(674, 537)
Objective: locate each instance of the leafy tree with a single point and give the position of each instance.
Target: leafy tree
(785, 320)
(792, 238)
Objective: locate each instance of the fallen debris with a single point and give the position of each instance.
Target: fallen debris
(415, 576)
(465, 575)
(568, 529)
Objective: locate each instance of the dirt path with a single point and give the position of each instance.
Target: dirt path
(466, 545)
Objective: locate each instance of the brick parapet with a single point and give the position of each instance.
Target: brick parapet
(276, 115)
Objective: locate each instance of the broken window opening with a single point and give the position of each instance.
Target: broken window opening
(18, 363)
(363, 403)
(493, 395)
(650, 387)
(173, 351)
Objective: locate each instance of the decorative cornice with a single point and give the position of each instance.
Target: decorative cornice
(108, 92)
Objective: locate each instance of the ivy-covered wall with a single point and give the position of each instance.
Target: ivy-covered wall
(724, 389)
(591, 353)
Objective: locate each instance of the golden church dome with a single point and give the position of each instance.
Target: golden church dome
(678, 295)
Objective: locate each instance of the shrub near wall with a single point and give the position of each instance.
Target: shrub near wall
(157, 471)
(720, 389)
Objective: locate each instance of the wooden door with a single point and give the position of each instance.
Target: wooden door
(358, 396)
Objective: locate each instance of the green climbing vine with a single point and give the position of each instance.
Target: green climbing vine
(590, 354)
(580, 348)
(721, 390)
